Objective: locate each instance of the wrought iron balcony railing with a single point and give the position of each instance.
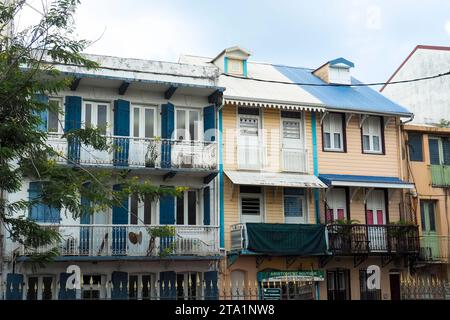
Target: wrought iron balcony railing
(139, 152)
(133, 240)
(350, 239)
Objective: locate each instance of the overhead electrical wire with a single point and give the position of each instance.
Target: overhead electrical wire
(337, 84)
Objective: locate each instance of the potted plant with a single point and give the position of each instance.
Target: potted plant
(166, 235)
(152, 153)
(344, 234)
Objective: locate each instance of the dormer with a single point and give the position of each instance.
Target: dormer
(336, 71)
(232, 61)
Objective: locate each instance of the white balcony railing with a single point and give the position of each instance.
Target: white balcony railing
(140, 152)
(132, 240)
(294, 160)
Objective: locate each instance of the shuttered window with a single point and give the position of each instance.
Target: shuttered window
(250, 200)
(371, 135)
(40, 212)
(415, 146)
(248, 126)
(291, 129)
(333, 132)
(439, 148)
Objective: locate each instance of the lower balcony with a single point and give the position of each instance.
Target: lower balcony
(357, 239)
(434, 248)
(133, 241)
(139, 152)
(280, 239)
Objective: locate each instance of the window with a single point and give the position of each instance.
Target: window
(143, 122)
(439, 150)
(40, 288)
(235, 66)
(92, 288)
(251, 203)
(294, 205)
(428, 215)
(333, 132)
(40, 212)
(187, 125)
(53, 125)
(188, 286)
(415, 146)
(336, 205)
(372, 135)
(187, 208)
(338, 284)
(95, 115)
(140, 212)
(365, 293)
(142, 286)
(248, 141)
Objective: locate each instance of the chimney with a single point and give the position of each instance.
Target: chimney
(336, 71)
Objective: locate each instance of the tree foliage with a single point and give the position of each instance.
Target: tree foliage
(27, 65)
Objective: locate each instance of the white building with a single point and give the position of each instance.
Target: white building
(163, 118)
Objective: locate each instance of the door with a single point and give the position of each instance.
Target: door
(338, 284)
(376, 219)
(187, 150)
(430, 240)
(294, 205)
(336, 205)
(248, 143)
(394, 283)
(95, 115)
(293, 154)
(143, 149)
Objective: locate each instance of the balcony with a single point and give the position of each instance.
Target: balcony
(434, 248)
(355, 239)
(279, 238)
(295, 160)
(133, 241)
(440, 175)
(140, 152)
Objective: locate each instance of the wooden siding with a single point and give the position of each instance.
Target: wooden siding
(354, 161)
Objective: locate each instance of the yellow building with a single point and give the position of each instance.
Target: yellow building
(427, 166)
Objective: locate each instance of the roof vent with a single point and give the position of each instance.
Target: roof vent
(336, 71)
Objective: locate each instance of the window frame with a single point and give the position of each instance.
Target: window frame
(40, 286)
(441, 149)
(198, 211)
(371, 135)
(304, 206)
(94, 115)
(187, 110)
(410, 151)
(140, 285)
(142, 108)
(60, 125)
(259, 195)
(346, 201)
(342, 133)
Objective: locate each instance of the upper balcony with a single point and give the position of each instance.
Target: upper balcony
(140, 153)
(361, 239)
(142, 241)
(440, 175)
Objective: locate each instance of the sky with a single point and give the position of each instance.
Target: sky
(376, 35)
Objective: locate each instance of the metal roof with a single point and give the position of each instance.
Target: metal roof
(274, 179)
(345, 98)
(364, 181)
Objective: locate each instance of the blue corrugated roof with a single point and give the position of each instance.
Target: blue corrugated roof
(343, 97)
(329, 178)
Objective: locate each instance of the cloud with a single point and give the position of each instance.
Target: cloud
(373, 17)
(447, 27)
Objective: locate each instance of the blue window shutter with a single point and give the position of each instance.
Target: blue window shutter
(84, 231)
(122, 129)
(206, 206)
(167, 210)
(211, 289)
(167, 292)
(14, 286)
(73, 121)
(415, 146)
(119, 281)
(119, 216)
(434, 151)
(167, 127)
(65, 294)
(209, 123)
(42, 98)
(39, 212)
